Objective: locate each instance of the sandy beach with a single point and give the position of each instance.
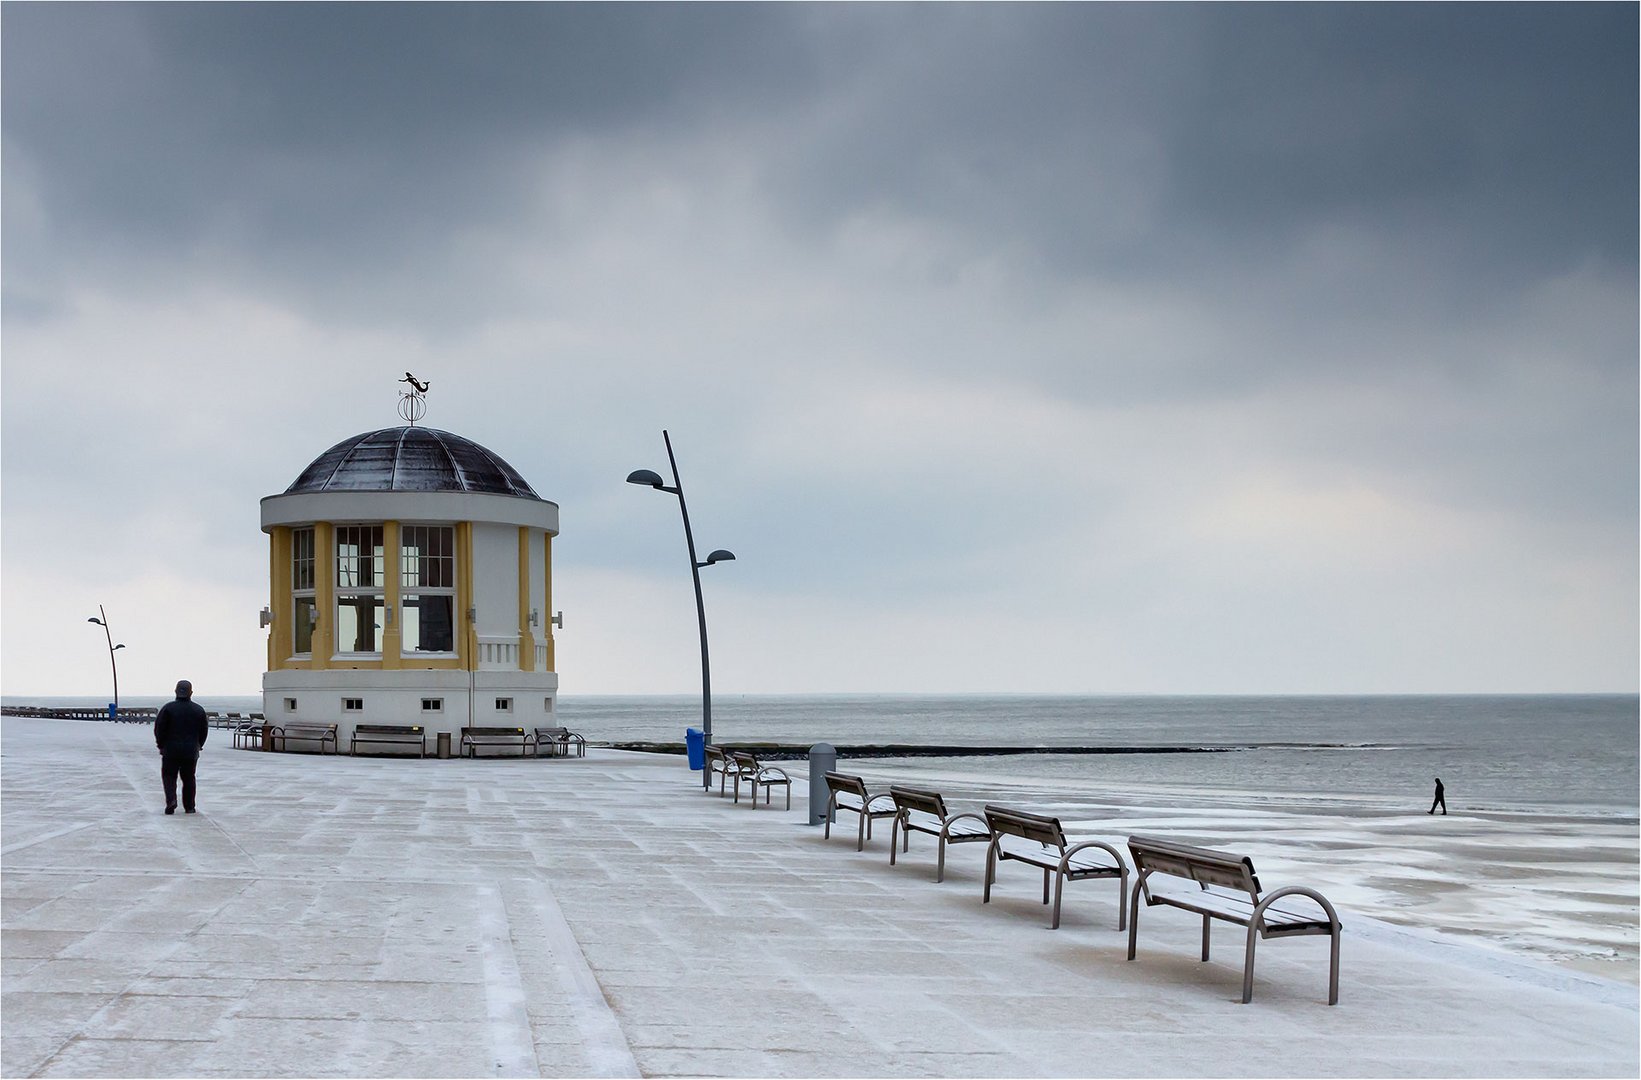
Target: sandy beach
(605, 917)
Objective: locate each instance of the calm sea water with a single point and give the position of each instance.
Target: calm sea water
(1561, 754)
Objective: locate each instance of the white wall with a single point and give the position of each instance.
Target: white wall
(496, 578)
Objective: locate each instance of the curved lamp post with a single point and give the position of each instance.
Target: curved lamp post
(646, 478)
(114, 709)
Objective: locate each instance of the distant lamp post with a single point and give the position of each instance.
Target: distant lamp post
(114, 708)
(646, 478)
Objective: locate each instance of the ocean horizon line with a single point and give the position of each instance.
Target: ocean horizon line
(973, 695)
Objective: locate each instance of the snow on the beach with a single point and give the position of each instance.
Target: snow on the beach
(1562, 888)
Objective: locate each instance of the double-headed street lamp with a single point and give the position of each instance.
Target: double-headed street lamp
(646, 478)
(114, 709)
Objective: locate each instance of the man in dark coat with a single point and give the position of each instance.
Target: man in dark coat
(179, 731)
(1440, 800)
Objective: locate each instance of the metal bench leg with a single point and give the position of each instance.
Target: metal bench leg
(1045, 886)
(789, 796)
(991, 871)
(860, 833)
(831, 812)
(1133, 920)
(1248, 966)
(1122, 898)
(1333, 969)
(940, 864)
(894, 839)
(1059, 883)
(1206, 922)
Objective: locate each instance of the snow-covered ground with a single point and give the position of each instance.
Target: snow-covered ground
(1562, 888)
(327, 917)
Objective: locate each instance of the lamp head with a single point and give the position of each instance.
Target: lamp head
(96, 620)
(719, 556)
(646, 478)
(118, 647)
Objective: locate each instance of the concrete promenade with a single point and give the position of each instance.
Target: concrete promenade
(366, 917)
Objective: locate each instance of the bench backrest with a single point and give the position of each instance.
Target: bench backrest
(388, 729)
(1199, 864)
(308, 727)
(553, 732)
(715, 753)
(1003, 820)
(492, 731)
(745, 759)
(919, 799)
(854, 785)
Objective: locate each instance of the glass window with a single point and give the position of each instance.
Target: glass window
(429, 623)
(427, 574)
(360, 562)
(359, 624)
(359, 557)
(303, 614)
(427, 557)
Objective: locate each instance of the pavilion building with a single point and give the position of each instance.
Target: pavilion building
(410, 582)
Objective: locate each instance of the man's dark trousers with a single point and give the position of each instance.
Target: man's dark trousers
(176, 763)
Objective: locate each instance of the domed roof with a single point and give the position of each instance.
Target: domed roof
(411, 459)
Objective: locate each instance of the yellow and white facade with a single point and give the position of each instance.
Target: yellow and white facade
(410, 582)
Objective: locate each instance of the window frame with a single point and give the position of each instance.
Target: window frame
(360, 566)
(415, 567)
(304, 591)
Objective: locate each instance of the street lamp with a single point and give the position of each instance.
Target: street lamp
(114, 709)
(646, 478)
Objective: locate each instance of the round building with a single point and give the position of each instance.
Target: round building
(411, 581)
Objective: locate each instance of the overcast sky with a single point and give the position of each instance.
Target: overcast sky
(1063, 348)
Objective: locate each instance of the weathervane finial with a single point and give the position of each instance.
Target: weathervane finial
(412, 405)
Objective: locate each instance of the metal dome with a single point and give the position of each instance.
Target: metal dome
(411, 459)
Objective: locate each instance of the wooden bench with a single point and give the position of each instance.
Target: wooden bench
(746, 767)
(1225, 887)
(475, 737)
(323, 733)
(1040, 841)
(562, 740)
(403, 734)
(849, 793)
(918, 810)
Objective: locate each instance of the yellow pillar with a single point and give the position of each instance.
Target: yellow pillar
(392, 653)
(281, 640)
(547, 611)
(467, 644)
(527, 640)
(324, 593)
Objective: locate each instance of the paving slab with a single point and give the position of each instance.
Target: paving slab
(329, 916)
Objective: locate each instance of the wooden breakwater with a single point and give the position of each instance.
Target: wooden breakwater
(787, 751)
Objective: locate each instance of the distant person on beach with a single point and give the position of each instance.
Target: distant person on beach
(179, 731)
(1440, 800)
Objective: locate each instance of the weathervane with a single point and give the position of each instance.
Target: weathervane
(412, 404)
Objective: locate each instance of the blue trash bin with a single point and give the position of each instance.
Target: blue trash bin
(696, 744)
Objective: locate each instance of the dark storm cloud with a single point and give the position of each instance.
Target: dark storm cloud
(1112, 139)
(295, 128)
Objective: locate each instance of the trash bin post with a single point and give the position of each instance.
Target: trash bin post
(441, 745)
(695, 745)
(823, 758)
